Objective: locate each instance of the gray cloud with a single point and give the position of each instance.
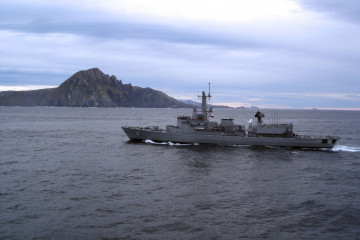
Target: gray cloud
(348, 9)
(263, 60)
(129, 30)
(19, 77)
(56, 18)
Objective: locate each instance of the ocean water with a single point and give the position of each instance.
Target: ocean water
(70, 173)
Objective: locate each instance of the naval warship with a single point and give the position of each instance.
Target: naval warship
(199, 129)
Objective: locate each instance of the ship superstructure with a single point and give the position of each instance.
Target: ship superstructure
(199, 129)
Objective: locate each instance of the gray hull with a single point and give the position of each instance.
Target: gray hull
(137, 133)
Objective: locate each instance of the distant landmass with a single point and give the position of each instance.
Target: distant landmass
(91, 88)
(252, 107)
(198, 104)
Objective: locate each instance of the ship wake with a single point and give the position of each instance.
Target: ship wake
(169, 143)
(342, 148)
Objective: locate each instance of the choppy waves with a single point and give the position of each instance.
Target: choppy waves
(70, 173)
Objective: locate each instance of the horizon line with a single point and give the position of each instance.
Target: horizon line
(31, 87)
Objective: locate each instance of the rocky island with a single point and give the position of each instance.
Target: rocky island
(91, 88)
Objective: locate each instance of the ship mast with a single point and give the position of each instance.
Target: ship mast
(204, 109)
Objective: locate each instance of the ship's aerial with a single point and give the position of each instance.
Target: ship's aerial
(199, 129)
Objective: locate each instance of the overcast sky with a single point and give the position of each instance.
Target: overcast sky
(277, 54)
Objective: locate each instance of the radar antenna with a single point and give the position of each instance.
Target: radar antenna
(259, 115)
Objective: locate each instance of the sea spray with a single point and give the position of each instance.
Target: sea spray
(342, 148)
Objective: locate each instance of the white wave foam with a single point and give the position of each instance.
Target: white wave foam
(342, 148)
(237, 145)
(167, 143)
(157, 143)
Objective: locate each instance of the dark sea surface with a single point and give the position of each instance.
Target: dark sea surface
(70, 173)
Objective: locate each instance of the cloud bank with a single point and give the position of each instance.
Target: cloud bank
(289, 54)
